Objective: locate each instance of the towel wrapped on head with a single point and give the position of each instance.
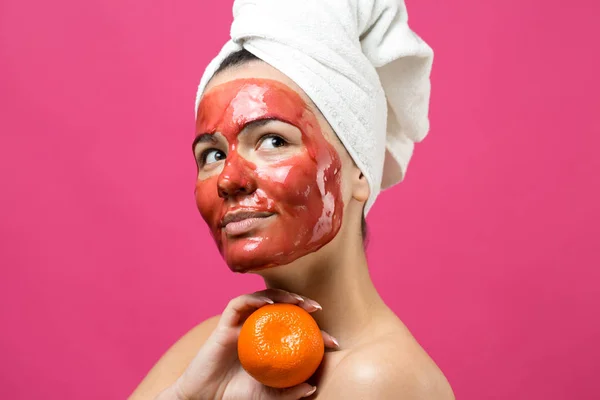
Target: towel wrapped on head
(358, 61)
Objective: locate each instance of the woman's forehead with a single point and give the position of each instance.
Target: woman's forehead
(257, 70)
(231, 105)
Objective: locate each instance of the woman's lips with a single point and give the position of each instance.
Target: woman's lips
(240, 223)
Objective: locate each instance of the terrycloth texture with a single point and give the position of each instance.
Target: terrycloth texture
(360, 63)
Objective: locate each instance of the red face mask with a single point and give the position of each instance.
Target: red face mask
(268, 182)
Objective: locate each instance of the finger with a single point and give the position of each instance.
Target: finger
(282, 296)
(240, 306)
(296, 392)
(330, 341)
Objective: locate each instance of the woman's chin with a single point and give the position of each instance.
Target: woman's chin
(243, 256)
(270, 248)
(266, 267)
(256, 270)
(260, 259)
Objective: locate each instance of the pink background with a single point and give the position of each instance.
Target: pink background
(488, 250)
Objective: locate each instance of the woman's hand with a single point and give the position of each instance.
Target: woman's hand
(216, 373)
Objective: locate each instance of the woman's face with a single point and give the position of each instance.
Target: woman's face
(269, 183)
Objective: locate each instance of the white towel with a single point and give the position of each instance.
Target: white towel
(360, 63)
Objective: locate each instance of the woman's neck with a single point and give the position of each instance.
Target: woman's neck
(340, 283)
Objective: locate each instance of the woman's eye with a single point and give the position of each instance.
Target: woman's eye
(271, 142)
(213, 156)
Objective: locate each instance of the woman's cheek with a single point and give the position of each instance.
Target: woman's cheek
(301, 183)
(207, 200)
(285, 183)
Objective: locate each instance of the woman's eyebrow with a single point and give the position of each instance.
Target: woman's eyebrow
(203, 138)
(257, 123)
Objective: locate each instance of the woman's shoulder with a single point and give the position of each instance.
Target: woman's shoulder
(175, 360)
(181, 353)
(390, 365)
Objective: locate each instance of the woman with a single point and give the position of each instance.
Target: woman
(285, 193)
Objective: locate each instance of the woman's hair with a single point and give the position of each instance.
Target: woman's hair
(244, 56)
(237, 58)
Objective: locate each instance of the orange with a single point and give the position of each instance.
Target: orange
(280, 345)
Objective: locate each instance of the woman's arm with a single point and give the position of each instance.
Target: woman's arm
(174, 362)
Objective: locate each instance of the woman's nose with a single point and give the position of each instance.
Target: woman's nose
(236, 179)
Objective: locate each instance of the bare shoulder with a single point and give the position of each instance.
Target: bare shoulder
(176, 359)
(391, 367)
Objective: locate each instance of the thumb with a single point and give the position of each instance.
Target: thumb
(296, 392)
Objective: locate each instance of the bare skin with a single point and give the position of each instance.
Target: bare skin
(377, 357)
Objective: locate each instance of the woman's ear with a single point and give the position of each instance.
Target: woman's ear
(360, 186)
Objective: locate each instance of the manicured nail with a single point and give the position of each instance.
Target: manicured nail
(298, 297)
(311, 391)
(267, 300)
(316, 305)
(334, 340)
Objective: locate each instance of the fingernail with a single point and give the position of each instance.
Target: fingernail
(334, 340)
(311, 391)
(316, 305)
(298, 297)
(267, 300)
